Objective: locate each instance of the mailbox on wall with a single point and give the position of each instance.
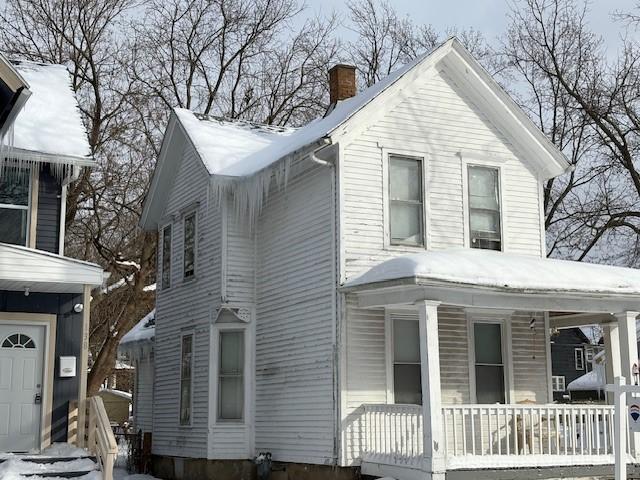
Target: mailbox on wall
(67, 367)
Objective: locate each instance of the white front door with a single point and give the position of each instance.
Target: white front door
(21, 358)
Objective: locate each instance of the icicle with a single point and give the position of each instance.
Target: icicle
(249, 193)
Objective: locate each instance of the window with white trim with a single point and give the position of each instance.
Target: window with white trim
(15, 186)
(189, 257)
(186, 379)
(589, 354)
(484, 207)
(166, 256)
(406, 206)
(407, 379)
(558, 383)
(489, 363)
(231, 375)
(578, 354)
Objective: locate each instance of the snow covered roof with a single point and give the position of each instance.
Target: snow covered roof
(485, 268)
(594, 380)
(116, 393)
(143, 331)
(50, 123)
(240, 151)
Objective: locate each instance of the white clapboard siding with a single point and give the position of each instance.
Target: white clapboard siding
(436, 122)
(366, 371)
(529, 358)
(143, 399)
(186, 306)
(295, 326)
(240, 259)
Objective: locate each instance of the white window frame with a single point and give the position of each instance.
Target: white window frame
(589, 354)
(578, 355)
(389, 347)
(412, 154)
(28, 207)
(556, 382)
(502, 318)
(194, 213)
(161, 255)
(183, 334)
(488, 161)
(246, 325)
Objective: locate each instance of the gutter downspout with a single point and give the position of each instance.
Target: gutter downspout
(313, 155)
(75, 174)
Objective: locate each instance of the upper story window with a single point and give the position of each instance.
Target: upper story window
(406, 208)
(484, 208)
(14, 206)
(166, 257)
(578, 354)
(189, 266)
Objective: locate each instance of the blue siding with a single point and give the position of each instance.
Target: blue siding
(48, 227)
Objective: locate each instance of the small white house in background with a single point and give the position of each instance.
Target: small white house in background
(370, 292)
(137, 343)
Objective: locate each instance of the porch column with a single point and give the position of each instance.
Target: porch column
(628, 358)
(612, 355)
(434, 449)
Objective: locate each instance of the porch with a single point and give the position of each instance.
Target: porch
(479, 355)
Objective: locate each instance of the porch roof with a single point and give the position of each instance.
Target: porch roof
(24, 268)
(484, 272)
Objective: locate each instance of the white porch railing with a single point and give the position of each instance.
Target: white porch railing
(505, 435)
(527, 430)
(392, 435)
(100, 439)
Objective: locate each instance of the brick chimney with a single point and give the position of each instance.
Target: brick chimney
(342, 83)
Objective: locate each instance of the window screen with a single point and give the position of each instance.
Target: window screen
(484, 208)
(489, 366)
(407, 381)
(406, 211)
(231, 376)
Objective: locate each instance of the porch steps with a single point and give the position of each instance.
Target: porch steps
(59, 471)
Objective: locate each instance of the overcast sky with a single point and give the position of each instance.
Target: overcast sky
(488, 16)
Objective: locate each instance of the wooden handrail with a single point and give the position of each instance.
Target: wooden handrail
(100, 439)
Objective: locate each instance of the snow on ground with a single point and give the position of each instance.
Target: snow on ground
(504, 271)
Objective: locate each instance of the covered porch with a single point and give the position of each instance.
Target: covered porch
(466, 334)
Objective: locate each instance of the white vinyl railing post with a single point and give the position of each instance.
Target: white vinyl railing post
(620, 429)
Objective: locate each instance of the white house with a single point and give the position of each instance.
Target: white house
(371, 291)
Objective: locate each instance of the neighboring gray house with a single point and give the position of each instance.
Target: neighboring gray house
(370, 291)
(44, 296)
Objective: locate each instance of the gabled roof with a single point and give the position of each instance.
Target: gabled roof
(244, 150)
(24, 268)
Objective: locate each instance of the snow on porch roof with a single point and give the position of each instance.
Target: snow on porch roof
(143, 331)
(50, 122)
(519, 273)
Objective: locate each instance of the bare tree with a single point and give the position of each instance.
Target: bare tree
(589, 108)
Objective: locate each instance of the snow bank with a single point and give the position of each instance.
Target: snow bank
(50, 121)
(499, 270)
(117, 393)
(16, 466)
